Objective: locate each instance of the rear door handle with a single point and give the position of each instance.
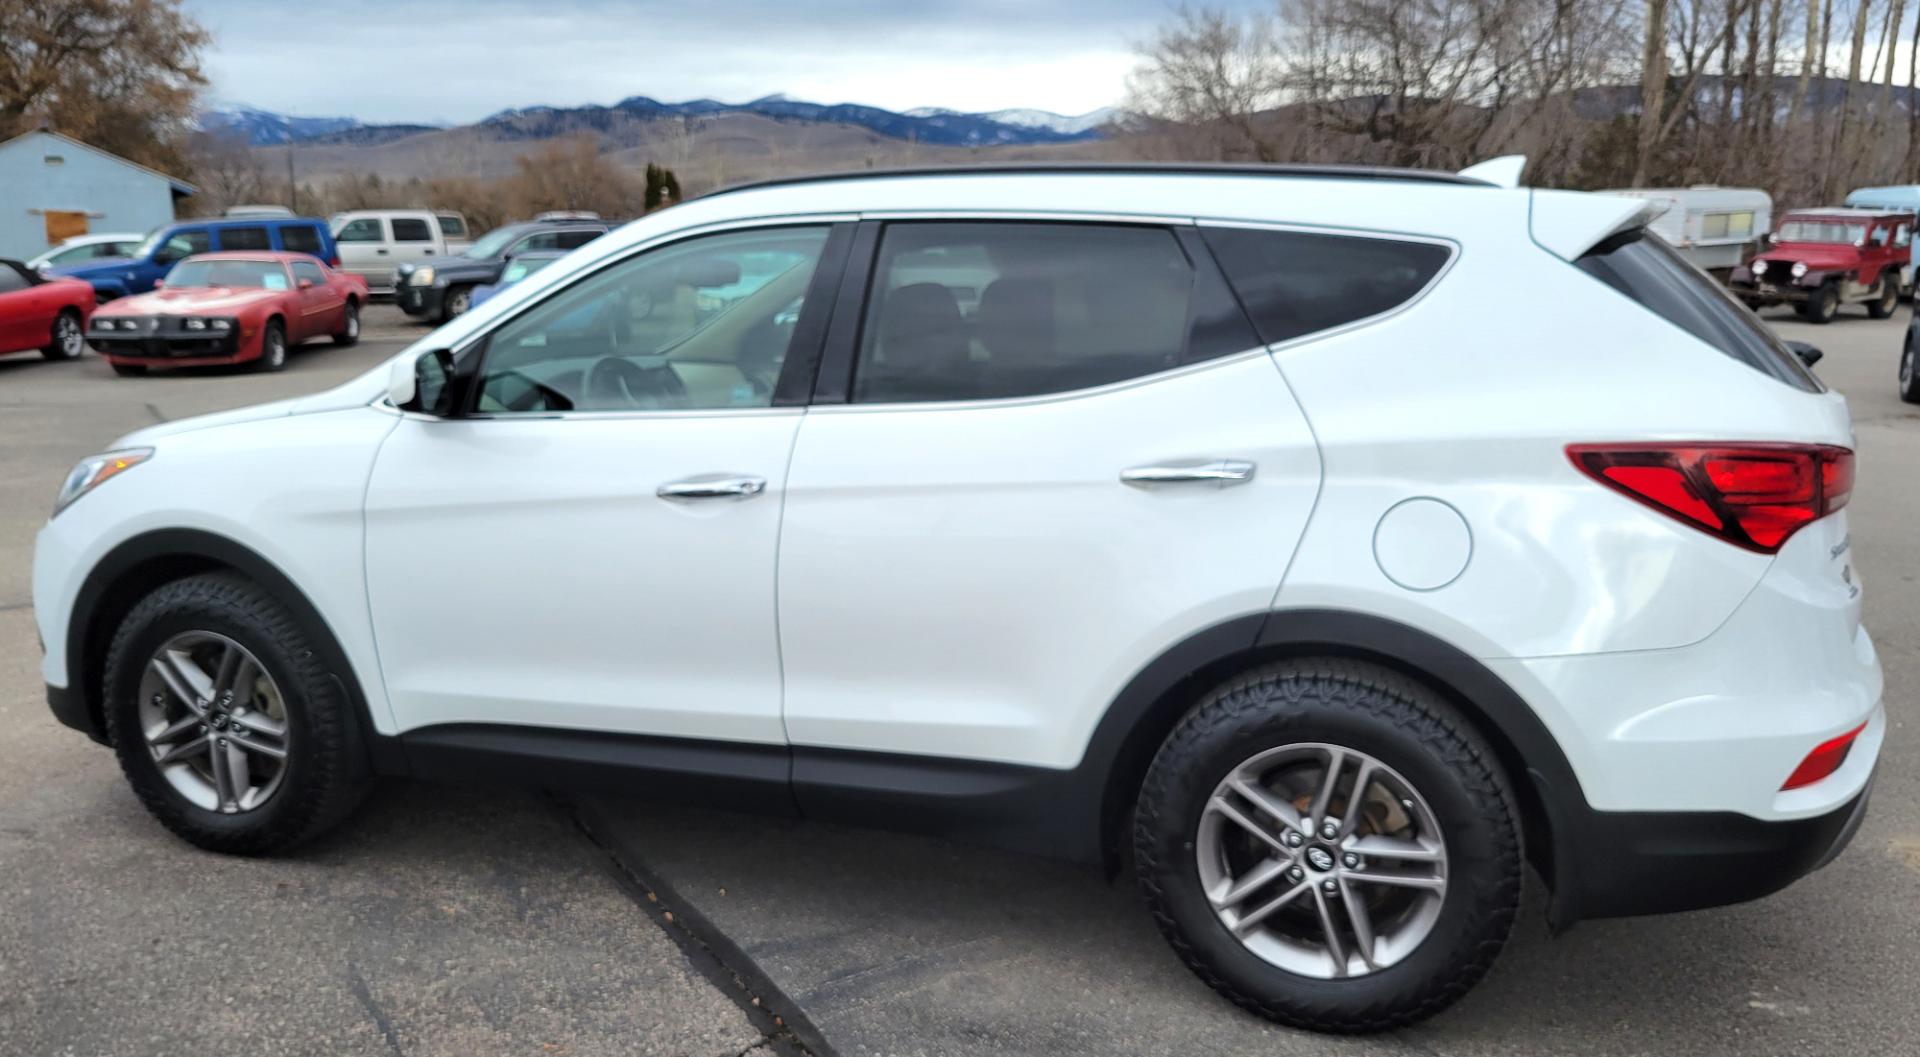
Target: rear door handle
(1222, 472)
(713, 486)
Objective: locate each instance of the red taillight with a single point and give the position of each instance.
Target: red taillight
(1751, 495)
(1825, 759)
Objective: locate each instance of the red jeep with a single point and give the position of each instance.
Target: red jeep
(1819, 258)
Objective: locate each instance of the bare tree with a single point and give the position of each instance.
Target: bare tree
(1215, 74)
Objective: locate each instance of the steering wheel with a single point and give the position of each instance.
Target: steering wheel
(616, 382)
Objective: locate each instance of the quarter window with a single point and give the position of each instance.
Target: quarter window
(700, 324)
(1295, 283)
(300, 238)
(411, 229)
(987, 310)
(244, 239)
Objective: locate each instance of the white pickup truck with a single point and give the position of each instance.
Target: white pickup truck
(374, 242)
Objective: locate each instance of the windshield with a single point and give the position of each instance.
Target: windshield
(1811, 229)
(257, 275)
(523, 267)
(491, 245)
(149, 244)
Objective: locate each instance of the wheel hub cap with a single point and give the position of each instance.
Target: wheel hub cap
(214, 721)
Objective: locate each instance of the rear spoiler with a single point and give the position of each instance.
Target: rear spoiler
(1569, 223)
(1503, 171)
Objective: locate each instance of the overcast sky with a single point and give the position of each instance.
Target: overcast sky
(460, 60)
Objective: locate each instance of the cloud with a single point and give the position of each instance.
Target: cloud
(459, 60)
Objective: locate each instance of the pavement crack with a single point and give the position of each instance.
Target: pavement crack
(155, 412)
(784, 1027)
(358, 985)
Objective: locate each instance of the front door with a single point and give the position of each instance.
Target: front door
(320, 302)
(593, 547)
(1064, 451)
(364, 250)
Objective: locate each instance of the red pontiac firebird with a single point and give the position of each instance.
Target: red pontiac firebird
(40, 313)
(230, 308)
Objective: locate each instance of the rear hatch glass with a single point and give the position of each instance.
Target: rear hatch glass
(1648, 271)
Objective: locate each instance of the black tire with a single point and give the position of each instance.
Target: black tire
(1884, 305)
(349, 332)
(1397, 721)
(455, 302)
(1822, 305)
(273, 348)
(69, 341)
(326, 772)
(1909, 373)
(130, 370)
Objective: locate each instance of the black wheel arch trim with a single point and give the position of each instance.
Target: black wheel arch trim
(141, 563)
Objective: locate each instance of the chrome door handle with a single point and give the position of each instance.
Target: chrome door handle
(1218, 471)
(712, 486)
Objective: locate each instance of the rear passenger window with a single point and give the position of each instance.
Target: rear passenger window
(244, 239)
(1294, 282)
(300, 238)
(973, 311)
(569, 240)
(411, 229)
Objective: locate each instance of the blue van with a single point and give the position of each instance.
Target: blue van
(169, 244)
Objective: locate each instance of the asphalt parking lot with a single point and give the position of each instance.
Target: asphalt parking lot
(470, 921)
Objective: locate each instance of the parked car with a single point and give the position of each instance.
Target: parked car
(1902, 199)
(738, 507)
(374, 242)
(170, 244)
(441, 288)
(223, 308)
(517, 268)
(1713, 228)
(41, 313)
(83, 248)
(1820, 259)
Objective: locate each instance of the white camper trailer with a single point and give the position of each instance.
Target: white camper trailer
(1713, 227)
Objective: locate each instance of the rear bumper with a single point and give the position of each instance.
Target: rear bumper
(1623, 863)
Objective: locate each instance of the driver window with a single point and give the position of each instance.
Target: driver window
(699, 324)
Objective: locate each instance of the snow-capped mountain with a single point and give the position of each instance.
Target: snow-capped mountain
(1064, 124)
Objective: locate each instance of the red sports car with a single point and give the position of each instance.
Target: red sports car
(230, 308)
(41, 313)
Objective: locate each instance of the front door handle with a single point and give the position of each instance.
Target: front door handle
(713, 486)
(1221, 472)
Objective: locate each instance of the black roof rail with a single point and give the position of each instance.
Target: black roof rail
(1309, 172)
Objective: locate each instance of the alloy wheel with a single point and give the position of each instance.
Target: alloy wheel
(67, 335)
(1322, 860)
(214, 721)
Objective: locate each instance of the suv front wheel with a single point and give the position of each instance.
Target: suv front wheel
(1331, 845)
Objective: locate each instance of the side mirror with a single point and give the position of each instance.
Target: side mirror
(423, 384)
(1808, 354)
(306, 284)
(159, 284)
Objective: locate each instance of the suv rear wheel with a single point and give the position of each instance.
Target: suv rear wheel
(1888, 299)
(1330, 845)
(1909, 378)
(230, 729)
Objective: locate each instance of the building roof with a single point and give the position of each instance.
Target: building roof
(179, 186)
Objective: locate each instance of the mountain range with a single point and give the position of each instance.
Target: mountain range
(928, 125)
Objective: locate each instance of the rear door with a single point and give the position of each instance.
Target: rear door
(413, 238)
(364, 250)
(1040, 454)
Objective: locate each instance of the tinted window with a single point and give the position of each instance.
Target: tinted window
(300, 238)
(971, 311)
(365, 229)
(244, 239)
(452, 226)
(411, 229)
(546, 240)
(574, 239)
(309, 272)
(703, 323)
(1294, 283)
(1659, 280)
(11, 281)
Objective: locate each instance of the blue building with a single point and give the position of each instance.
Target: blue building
(53, 188)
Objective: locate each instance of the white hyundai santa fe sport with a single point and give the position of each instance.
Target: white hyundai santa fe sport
(1320, 544)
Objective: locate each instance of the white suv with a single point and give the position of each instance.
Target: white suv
(1323, 544)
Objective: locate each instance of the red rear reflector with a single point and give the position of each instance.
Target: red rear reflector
(1825, 759)
(1751, 495)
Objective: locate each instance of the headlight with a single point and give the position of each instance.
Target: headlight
(192, 323)
(1799, 269)
(104, 324)
(421, 277)
(220, 324)
(94, 471)
(1759, 267)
